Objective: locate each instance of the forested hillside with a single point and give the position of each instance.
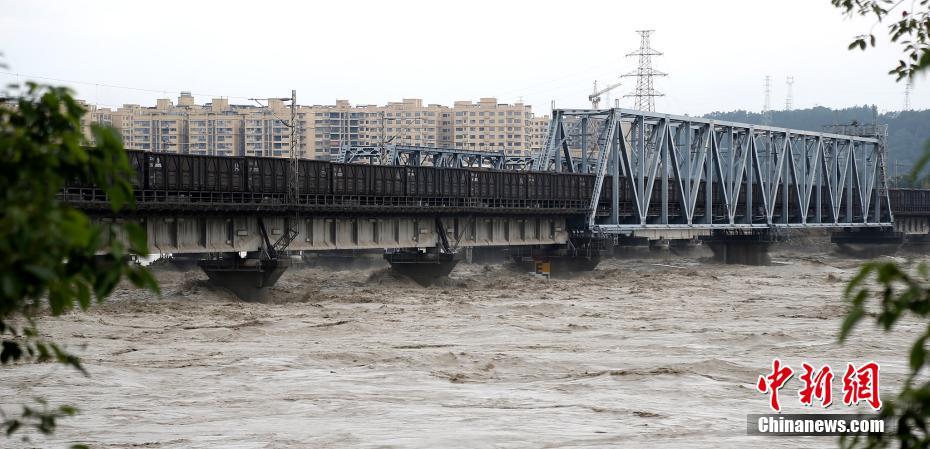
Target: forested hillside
(908, 131)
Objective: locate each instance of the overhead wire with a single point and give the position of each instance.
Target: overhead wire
(116, 86)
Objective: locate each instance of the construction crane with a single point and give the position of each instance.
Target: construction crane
(595, 98)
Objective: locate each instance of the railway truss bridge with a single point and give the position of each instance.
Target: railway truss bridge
(604, 179)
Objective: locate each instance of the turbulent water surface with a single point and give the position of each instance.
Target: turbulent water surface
(641, 352)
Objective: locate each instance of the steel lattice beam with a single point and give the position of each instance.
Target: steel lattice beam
(432, 156)
(760, 177)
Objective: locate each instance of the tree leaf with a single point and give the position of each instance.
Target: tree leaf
(852, 318)
(11, 352)
(918, 354)
(138, 238)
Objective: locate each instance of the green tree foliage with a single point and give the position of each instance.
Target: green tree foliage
(911, 30)
(902, 291)
(54, 258)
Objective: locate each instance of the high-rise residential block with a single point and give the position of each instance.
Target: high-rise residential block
(219, 128)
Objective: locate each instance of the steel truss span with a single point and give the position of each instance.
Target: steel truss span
(392, 154)
(760, 177)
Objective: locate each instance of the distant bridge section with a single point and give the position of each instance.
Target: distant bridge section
(392, 154)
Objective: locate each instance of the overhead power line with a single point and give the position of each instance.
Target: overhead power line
(115, 86)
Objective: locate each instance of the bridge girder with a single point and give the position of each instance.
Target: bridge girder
(178, 234)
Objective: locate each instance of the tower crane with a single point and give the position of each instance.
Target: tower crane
(595, 97)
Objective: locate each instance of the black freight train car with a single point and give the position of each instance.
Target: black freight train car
(386, 180)
(421, 181)
(139, 169)
(484, 184)
(267, 175)
(513, 185)
(315, 177)
(184, 172)
(453, 183)
(270, 176)
(537, 186)
(351, 179)
(910, 201)
(226, 174)
(165, 172)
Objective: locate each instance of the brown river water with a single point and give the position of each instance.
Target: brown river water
(645, 351)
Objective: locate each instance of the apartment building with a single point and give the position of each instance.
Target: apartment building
(409, 122)
(210, 129)
(94, 114)
(329, 127)
(151, 129)
(539, 130)
(219, 128)
(491, 126)
(214, 129)
(266, 130)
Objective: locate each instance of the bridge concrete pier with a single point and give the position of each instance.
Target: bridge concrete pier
(867, 242)
(249, 278)
(659, 245)
(741, 249)
(578, 256)
(425, 268)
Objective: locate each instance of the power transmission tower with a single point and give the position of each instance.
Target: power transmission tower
(767, 106)
(294, 186)
(907, 95)
(645, 93)
(789, 97)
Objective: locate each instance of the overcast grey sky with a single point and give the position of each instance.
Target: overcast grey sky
(716, 52)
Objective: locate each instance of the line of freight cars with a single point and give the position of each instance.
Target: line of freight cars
(270, 176)
(231, 179)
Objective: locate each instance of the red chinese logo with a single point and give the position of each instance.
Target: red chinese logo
(773, 382)
(861, 385)
(858, 384)
(819, 385)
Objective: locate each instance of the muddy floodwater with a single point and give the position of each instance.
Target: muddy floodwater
(643, 352)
